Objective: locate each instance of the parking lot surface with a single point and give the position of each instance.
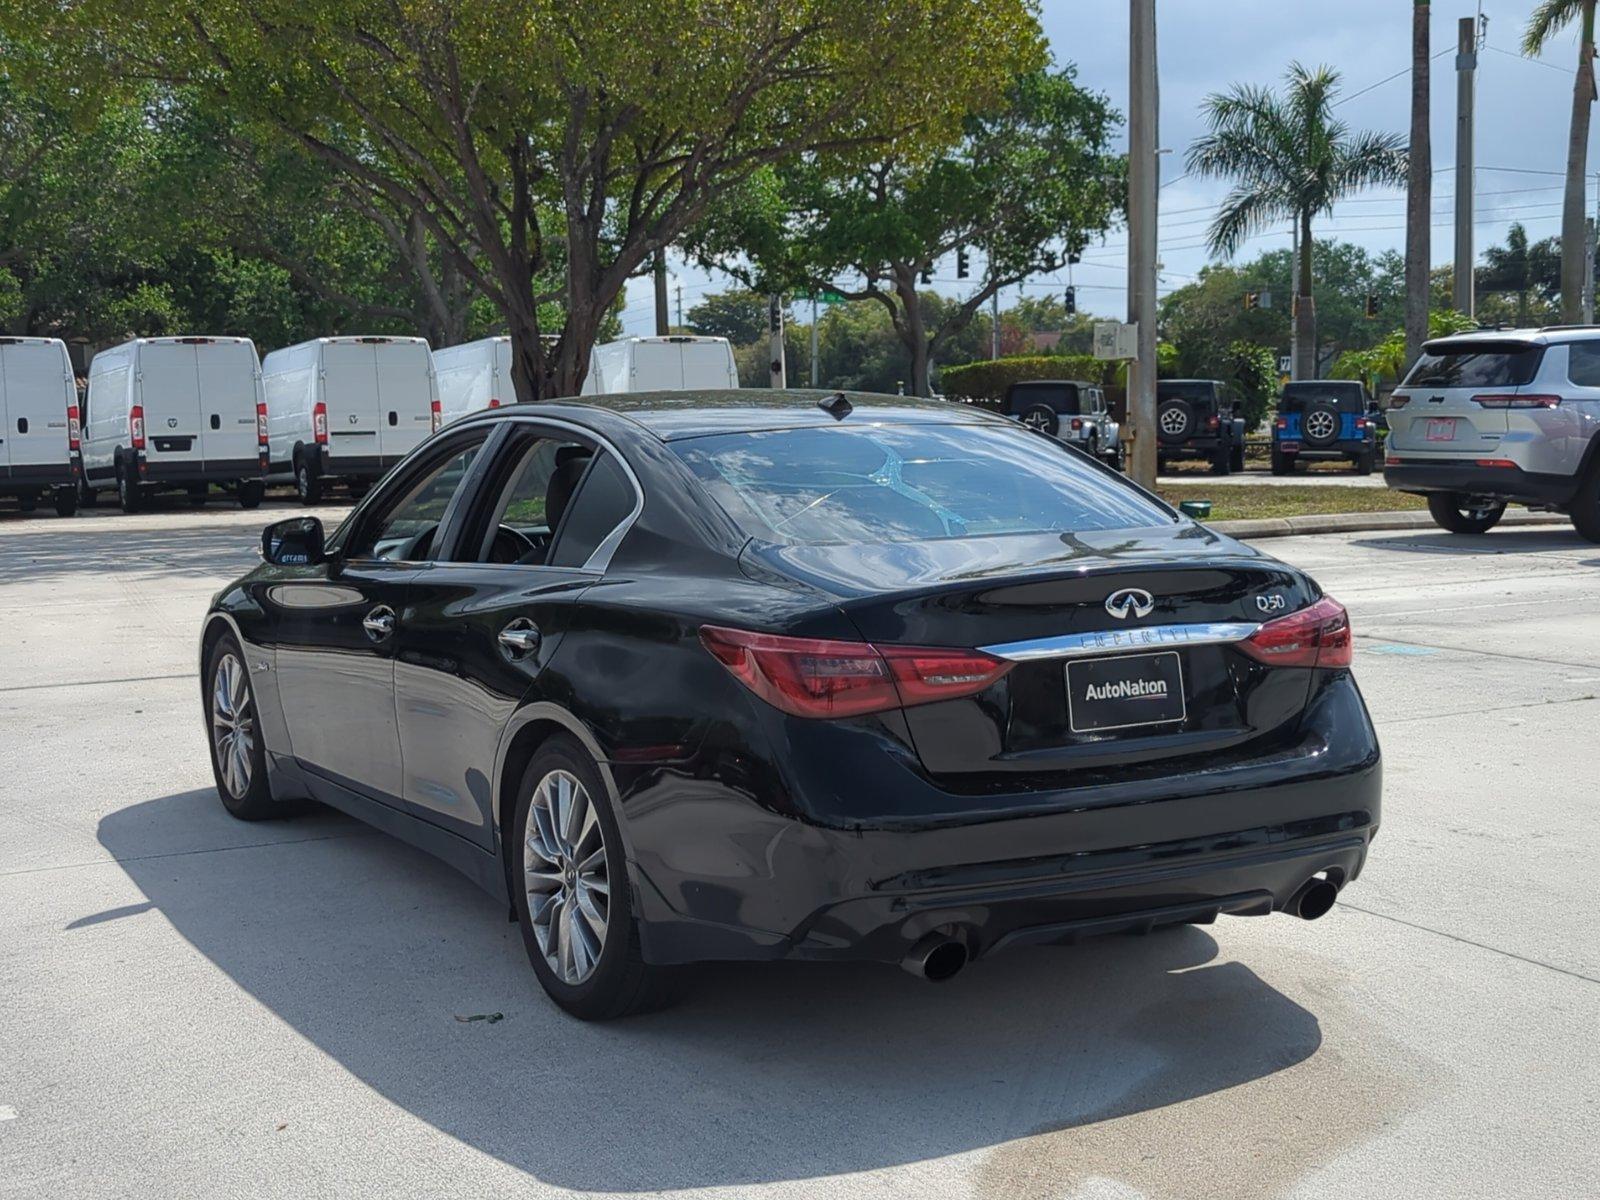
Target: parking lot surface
(197, 1007)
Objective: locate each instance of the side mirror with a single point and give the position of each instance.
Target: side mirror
(296, 542)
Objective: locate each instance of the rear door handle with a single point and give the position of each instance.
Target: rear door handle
(379, 623)
(520, 638)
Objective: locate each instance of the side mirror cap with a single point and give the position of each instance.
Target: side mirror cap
(296, 542)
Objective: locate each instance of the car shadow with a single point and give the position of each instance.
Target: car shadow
(1513, 539)
(412, 980)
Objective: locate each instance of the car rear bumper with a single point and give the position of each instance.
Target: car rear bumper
(1342, 449)
(723, 880)
(357, 466)
(1195, 447)
(196, 471)
(1464, 475)
(34, 477)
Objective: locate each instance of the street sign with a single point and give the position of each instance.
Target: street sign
(1115, 339)
(1285, 364)
(829, 296)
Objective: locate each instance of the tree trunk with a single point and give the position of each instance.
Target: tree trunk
(1305, 315)
(1573, 232)
(912, 328)
(1419, 192)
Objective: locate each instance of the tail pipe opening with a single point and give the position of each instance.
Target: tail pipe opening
(1314, 898)
(935, 958)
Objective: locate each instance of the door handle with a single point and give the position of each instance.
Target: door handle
(520, 638)
(379, 623)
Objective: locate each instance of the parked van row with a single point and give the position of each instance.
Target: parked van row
(186, 414)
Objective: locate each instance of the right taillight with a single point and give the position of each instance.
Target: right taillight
(436, 412)
(136, 426)
(319, 423)
(1398, 400)
(818, 677)
(1281, 423)
(1517, 401)
(1318, 636)
(74, 428)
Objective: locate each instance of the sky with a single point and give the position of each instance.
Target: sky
(1204, 46)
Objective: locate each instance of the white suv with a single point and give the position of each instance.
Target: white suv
(1486, 419)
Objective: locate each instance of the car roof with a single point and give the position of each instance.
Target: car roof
(1548, 335)
(684, 414)
(1021, 383)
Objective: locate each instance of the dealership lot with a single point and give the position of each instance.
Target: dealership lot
(195, 1006)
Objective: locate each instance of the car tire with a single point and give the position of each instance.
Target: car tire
(129, 495)
(1319, 426)
(87, 496)
(27, 502)
(238, 757)
(307, 481)
(570, 909)
(1365, 462)
(1460, 513)
(197, 494)
(359, 488)
(1236, 458)
(66, 501)
(250, 493)
(1116, 459)
(1174, 421)
(1042, 419)
(1222, 461)
(1585, 510)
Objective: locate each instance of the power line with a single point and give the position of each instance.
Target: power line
(1538, 62)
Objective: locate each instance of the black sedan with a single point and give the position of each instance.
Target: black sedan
(755, 675)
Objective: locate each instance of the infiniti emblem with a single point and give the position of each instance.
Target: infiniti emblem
(1135, 600)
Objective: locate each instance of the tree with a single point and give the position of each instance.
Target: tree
(1524, 271)
(1549, 17)
(1388, 361)
(1419, 186)
(1291, 159)
(740, 316)
(1031, 179)
(549, 149)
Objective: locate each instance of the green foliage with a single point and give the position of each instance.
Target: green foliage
(1383, 362)
(739, 316)
(986, 382)
(1528, 274)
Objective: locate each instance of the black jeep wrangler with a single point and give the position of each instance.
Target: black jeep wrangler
(1324, 419)
(1199, 418)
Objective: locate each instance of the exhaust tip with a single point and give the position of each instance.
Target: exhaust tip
(935, 958)
(1314, 899)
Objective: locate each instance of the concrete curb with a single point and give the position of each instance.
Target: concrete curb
(1370, 522)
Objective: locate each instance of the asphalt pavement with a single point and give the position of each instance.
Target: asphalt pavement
(197, 1007)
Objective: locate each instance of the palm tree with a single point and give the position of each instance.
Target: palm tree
(1290, 159)
(1548, 17)
(1522, 269)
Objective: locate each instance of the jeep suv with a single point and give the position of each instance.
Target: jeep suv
(1199, 418)
(1327, 419)
(1071, 410)
(1487, 419)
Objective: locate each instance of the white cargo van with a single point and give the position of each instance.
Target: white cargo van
(473, 376)
(347, 409)
(38, 423)
(661, 364)
(175, 414)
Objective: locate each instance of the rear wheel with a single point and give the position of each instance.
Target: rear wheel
(128, 494)
(238, 760)
(250, 493)
(1365, 461)
(28, 501)
(570, 887)
(1236, 459)
(197, 494)
(66, 499)
(1586, 505)
(1222, 461)
(87, 496)
(1282, 464)
(1461, 513)
(307, 481)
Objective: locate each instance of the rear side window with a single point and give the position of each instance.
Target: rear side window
(1583, 364)
(605, 499)
(1484, 364)
(843, 484)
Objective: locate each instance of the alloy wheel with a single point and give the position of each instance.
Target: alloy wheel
(1174, 422)
(1319, 425)
(233, 726)
(566, 873)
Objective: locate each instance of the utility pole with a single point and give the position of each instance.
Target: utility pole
(1588, 272)
(1419, 190)
(662, 328)
(1144, 170)
(814, 375)
(680, 305)
(775, 327)
(1466, 70)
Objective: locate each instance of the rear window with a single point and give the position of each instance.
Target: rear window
(1063, 397)
(1350, 397)
(1194, 393)
(901, 484)
(1491, 364)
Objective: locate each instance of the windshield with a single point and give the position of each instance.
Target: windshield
(902, 483)
(1483, 365)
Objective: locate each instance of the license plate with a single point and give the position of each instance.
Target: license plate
(1286, 447)
(1441, 429)
(1125, 692)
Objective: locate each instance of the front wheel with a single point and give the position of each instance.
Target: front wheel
(1461, 513)
(238, 759)
(307, 482)
(66, 501)
(570, 887)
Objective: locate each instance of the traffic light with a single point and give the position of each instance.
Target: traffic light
(927, 275)
(1372, 305)
(1072, 301)
(1049, 260)
(961, 262)
(1074, 258)
(1252, 301)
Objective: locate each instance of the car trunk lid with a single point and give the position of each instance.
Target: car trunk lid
(1438, 414)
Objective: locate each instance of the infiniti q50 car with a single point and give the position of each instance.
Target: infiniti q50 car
(789, 674)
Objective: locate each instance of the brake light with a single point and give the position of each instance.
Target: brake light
(319, 423)
(1496, 462)
(261, 424)
(74, 427)
(1077, 424)
(1392, 460)
(815, 677)
(436, 413)
(136, 426)
(1361, 422)
(1397, 400)
(1528, 401)
(1213, 422)
(1281, 423)
(493, 403)
(1318, 636)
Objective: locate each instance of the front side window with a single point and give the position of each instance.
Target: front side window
(909, 483)
(532, 490)
(404, 528)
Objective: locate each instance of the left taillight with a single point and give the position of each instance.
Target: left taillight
(136, 426)
(74, 428)
(435, 412)
(1519, 400)
(818, 677)
(261, 425)
(1318, 636)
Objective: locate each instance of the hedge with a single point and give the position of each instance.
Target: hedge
(980, 382)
